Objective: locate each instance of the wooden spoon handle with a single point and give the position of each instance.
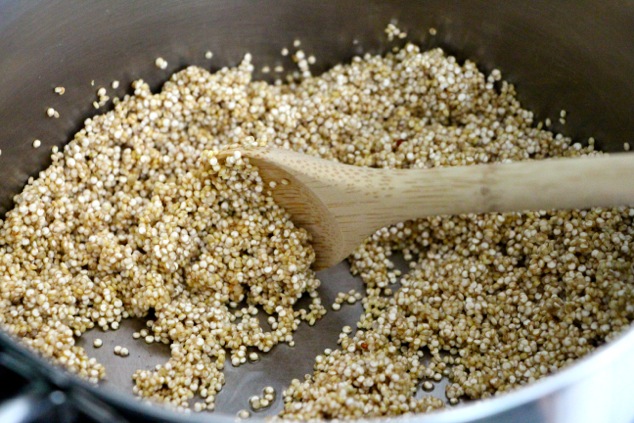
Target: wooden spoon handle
(530, 185)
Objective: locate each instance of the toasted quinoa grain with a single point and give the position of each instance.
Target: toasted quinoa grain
(52, 113)
(136, 215)
(243, 414)
(160, 63)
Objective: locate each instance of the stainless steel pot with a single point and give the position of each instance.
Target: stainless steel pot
(577, 55)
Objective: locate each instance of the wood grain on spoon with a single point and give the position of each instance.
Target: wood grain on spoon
(341, 205)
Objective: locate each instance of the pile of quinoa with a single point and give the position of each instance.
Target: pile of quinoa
(137, 217)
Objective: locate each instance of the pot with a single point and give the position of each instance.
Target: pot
(567, 54)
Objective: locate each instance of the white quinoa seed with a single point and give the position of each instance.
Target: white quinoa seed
(392, 32)
(52, 113)
(97, 343)
(254, 402)
(160, 63)
(37, 143)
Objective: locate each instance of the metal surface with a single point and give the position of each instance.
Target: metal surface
(570, 54)
(276, 368)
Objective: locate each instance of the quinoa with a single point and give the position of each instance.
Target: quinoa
(52, 113)
(160, 63)
(136, 217)
(263, 401)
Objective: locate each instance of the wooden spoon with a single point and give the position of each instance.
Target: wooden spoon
(341, 205)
